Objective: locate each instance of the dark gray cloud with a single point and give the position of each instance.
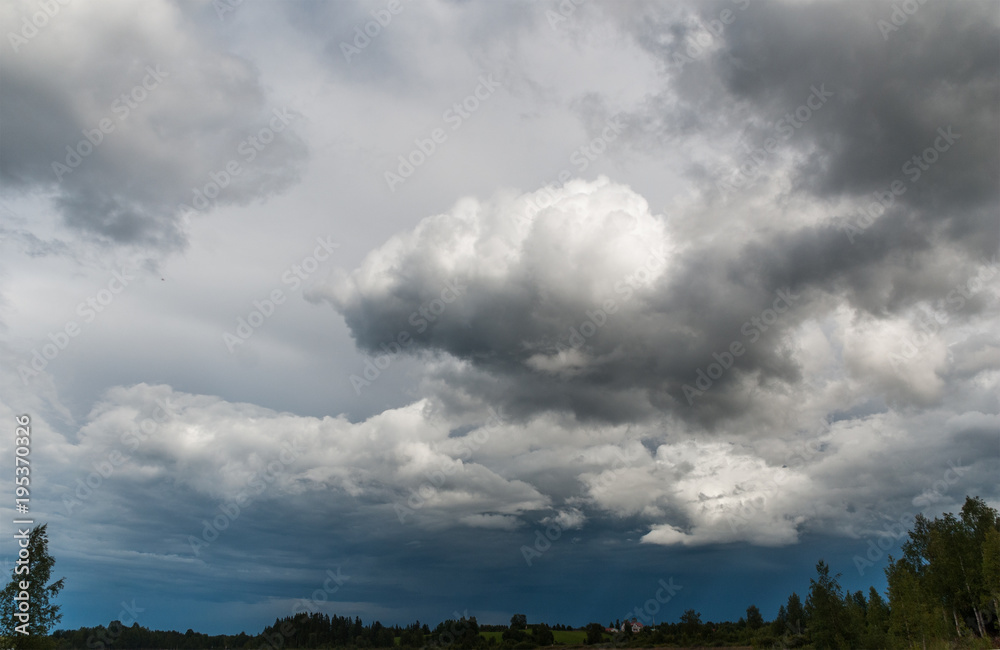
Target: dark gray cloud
(588, 306)
(927, 89)
(889, 96)
(150, 113)
(593, 306)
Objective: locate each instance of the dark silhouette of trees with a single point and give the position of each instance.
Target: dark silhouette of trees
(542, 635)
(595, 633)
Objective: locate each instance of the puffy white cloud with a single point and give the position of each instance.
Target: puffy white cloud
(569, 519)
(498, 473)
(221, 450)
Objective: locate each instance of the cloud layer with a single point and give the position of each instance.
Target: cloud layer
(707, 287)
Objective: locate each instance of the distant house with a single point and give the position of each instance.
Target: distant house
(611, 630)
(636, 625)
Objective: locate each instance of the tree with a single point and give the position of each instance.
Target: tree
(543, 635)
(876, 620)
(463, 633)
(516, 632)
(755, 620)
(946, 557)
(991, 570)
(691, 623)
(826, 618)
(855, 622)
(913, 616)
(412, 637)
(595, 633)
(30, 577)
(796, 614)
(780, 621)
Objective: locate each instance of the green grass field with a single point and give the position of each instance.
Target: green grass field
(564, 637)
(570, 637)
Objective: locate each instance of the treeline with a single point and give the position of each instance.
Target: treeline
(557, 627)
(303, 630)
(944, 591)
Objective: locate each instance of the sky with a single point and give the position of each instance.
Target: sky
(575, 309)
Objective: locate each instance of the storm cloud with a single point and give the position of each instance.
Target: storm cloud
(706, 290)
